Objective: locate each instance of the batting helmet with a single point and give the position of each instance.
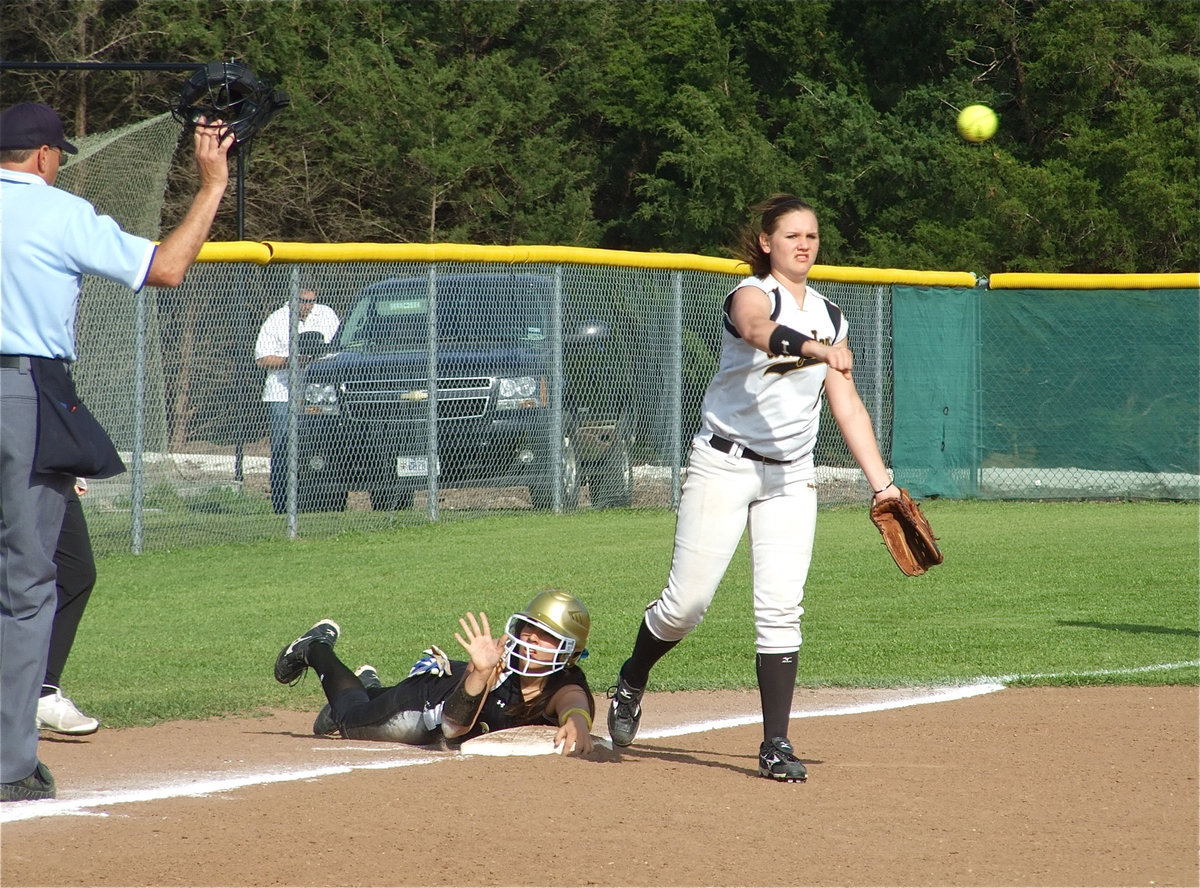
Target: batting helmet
(557, 614)
(228, 91)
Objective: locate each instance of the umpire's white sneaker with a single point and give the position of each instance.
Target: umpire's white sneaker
(58, 714)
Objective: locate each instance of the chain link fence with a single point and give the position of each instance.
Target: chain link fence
(449, 389)
(456, 388)
(505, 381)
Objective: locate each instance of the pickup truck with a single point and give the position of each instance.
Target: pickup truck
(466, 375)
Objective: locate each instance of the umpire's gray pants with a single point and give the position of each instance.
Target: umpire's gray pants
(31, 515)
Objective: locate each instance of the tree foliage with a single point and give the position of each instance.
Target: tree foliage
(653, 126)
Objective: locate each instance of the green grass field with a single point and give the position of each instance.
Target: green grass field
(1054, 593)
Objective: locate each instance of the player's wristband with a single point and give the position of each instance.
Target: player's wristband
(786, 341)
(885, 487)
(562, 719)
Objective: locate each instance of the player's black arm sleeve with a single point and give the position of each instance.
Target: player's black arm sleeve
(461, 709)
(786, 341)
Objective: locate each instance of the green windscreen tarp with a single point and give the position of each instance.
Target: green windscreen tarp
(1047, 392)
(936, 354)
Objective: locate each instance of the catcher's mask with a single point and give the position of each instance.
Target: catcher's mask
(557, 614)
(228, 91)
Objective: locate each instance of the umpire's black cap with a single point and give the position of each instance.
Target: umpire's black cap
(32, 125)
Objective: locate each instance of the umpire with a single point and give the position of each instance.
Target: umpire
(51, 239)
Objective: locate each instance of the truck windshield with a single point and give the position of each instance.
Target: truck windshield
(488, 310)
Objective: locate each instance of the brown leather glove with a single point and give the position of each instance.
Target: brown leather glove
(906, 533)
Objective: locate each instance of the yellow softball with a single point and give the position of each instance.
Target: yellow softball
(977, 123)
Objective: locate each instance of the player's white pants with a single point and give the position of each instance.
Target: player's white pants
(721, 494)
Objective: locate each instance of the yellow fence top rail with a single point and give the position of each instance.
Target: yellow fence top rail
(1022, 281)
(267, 252)
(235, 251)
(844, 274)
(289, 251)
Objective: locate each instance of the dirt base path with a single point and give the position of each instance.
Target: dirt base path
(1021, 787)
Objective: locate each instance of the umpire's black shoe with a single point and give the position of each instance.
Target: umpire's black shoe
(777, 760)
(625, 713)
(37, 786)
(293, 659)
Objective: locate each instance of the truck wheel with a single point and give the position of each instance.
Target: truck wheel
(541, 493)
(611, 482)
(316, 497)
(391, 499)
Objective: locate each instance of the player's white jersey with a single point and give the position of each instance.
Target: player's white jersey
(772, 405)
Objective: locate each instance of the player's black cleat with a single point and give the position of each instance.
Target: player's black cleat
(293, 659)
(323, 724)
(368, 676)
(777, 760)
(625, 713)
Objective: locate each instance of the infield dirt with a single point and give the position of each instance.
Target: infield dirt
(1079, 786)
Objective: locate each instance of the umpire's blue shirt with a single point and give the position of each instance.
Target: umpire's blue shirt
(49, 239)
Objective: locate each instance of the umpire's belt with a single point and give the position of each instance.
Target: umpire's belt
(15, 362)
(726, 446)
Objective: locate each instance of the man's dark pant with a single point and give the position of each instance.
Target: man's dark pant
(277, 427)
(76, 579)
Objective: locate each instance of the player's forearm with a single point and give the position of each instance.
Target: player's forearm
(570, 701)
(855, 425)
(463, 706)
(476, 681)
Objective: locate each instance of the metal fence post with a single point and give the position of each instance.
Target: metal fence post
(877, 405)
(556, 391)
(431, 369)
(676, 383)
(138, 465)
(293, 406)
(976, 475)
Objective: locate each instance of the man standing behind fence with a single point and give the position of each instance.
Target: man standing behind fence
(51, 239)
(271, 353)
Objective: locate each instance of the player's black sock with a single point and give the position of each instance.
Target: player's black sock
(334, 674)
(776, 682)
(647, 650)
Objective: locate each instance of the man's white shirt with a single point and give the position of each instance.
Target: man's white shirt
(273, 338)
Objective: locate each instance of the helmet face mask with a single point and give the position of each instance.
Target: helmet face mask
(555, 615)
(230, 92)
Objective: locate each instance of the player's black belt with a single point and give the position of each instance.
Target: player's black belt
(726, 446)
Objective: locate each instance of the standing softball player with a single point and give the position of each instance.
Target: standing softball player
(783, 346)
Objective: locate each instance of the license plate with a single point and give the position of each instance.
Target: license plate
(413, 467)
